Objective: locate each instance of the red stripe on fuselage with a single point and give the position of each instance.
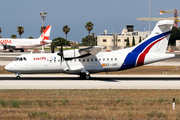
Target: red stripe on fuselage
(143, 54)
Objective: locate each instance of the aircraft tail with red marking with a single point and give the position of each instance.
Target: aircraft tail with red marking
(157, 41)
(152, 49)
(45, 35)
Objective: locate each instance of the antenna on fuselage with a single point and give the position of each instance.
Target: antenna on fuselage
(31, 52)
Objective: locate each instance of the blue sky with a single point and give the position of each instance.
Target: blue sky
(111, 15)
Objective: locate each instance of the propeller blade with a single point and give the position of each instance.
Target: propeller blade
(60, 53)
(52, 49)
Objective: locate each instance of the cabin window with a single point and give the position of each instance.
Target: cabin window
(107, 59)
(91, 60)
(103, 59)
(59, 61)
(115, 59)
(87, 60)
(54, 61)
(74, 60)
(99, 59)
(96, 60)
(83, 60)
(111, 59)
(79, 60)
(50, 61)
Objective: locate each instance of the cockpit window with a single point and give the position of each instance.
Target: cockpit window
(20, 59)
(16, 59)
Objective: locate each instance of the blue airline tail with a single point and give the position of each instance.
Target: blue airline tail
(156, 42)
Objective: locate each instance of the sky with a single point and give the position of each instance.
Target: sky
(110, 15)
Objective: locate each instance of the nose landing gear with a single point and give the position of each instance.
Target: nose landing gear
(18, 75)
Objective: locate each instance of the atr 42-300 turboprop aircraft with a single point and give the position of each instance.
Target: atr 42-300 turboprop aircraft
(92, 60)
(21, 44)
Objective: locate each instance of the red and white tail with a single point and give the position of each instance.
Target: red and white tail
(45, 35)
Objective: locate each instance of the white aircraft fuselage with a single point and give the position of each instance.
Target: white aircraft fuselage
(102, 62)
(21, 44)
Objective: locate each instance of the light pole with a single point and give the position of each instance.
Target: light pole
(43, 16)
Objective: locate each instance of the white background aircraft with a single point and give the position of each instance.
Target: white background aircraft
(92, 60)
(21, 44)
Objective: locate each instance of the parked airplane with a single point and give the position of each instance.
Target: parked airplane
(21, 44)
(93, 60)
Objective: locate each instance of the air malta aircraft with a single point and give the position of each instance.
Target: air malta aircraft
(83, 62)
(21, 44)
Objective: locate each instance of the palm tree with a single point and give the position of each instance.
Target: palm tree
(20, 30)
(42, 29)
(66, 29)
(89, 27)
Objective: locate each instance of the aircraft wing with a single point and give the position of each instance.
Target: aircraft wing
(85, 52)
(93, 50)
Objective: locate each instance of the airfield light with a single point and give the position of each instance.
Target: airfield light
(173, 104)
(43, 16)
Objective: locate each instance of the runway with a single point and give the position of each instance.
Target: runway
(97, 82)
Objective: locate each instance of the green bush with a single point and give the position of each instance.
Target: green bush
(3, 102)
(15, 103)
(38, 114)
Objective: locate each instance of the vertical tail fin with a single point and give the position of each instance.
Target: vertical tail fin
(157, 41)
(45, 35)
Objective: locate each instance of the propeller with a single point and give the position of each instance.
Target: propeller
(60, 53)
(53, 45)
(52, 48)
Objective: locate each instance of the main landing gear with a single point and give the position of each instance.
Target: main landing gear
(22, 50)
(84, 74)
(18, 75)
(11, 50)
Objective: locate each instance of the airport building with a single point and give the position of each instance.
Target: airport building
(116, 41)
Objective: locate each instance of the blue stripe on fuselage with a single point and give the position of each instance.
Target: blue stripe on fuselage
(130, 60)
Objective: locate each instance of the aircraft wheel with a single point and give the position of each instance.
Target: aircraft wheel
(5, 47)
(88, 77)
(83, 75)
(10, 50)
(22, 50)
(18, 77)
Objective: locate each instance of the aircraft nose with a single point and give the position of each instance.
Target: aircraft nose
(8, 67)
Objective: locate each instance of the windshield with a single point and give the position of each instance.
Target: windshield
(20, 59)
